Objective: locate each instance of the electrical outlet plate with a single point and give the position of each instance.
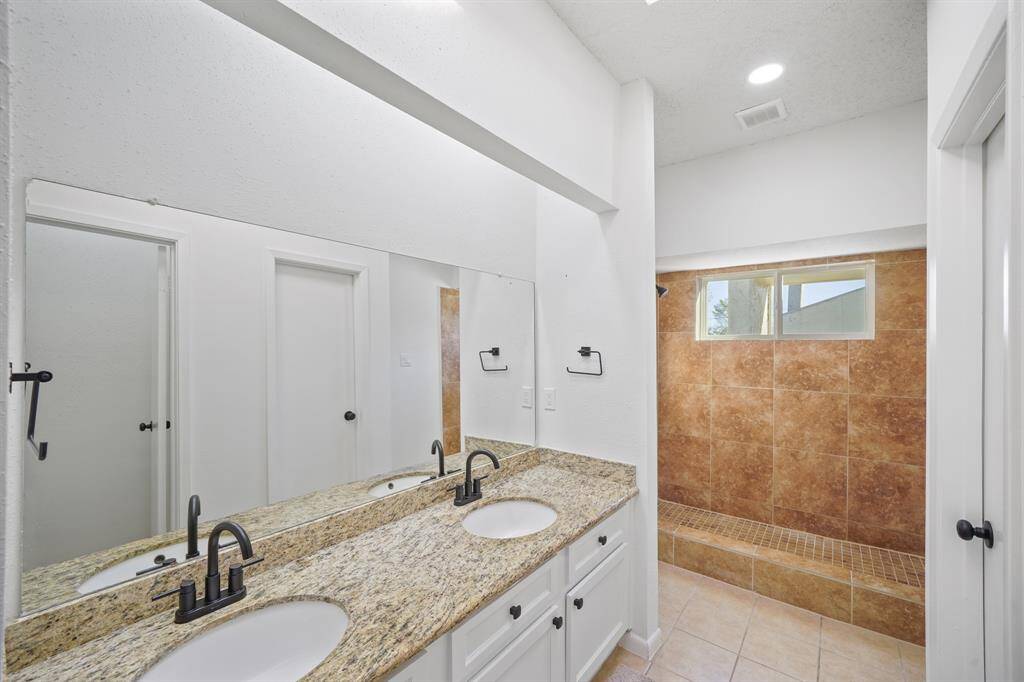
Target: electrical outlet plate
(549, 399)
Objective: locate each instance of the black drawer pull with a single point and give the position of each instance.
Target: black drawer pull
(557, 622)
(603, 539)
(578, 602)
(516, 611)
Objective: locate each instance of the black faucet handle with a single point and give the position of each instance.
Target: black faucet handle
(476, 484)
(253, 562)
(186, 595)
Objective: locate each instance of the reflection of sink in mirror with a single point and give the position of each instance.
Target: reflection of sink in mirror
(278, 642)
(509, 519)
(395, 485)
(129, 568)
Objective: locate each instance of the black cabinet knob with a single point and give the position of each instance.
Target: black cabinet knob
(143, 426)
(578, 602)
(557, 622)
(516, 611)
(968, 531)
(350, 416)
(603, 539)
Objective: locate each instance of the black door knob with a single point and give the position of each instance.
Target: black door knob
(143, 426)
(516, 611)
(557, 622)
(350, 415)
(578, 602)
(603, 539)
(968, 531)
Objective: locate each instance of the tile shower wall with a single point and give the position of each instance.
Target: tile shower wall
(451, 410)
(822, 436)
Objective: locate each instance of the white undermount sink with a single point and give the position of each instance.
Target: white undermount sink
(129, 568)
(509, 519)
(393, 485)
(279, 642)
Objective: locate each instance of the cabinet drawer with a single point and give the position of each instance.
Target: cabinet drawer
(476, 641)
(597, 615)
(537, 655)
(599, 542)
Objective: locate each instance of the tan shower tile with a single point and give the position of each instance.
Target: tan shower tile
(812, 365)
(899, 540)
(742, 414)
(891, 429)
(889, 587)
(688, 496)
(810, 482)
(899, 618)
(682, 358)
(808, 591)
(900, 295)
(452, 439)
(451, 404)
(684, 461)
(721, 564)
(741, 363)
(684, 409)
(811, 421)
(739, 506)
(887, 495)
(741, 470)
(665, 546)
(818, 524)
(677, 308)
(893, 364)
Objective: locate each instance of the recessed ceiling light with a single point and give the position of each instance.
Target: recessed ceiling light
(765, 74)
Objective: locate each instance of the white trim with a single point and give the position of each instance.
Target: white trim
(96, 212)
(954, 589)
(361, 350)
(644, 648)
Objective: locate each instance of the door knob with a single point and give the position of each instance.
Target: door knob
(968, 531)
(143, 426)
(350, 415)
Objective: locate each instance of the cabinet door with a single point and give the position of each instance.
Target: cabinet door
(430, 665)
(537, 655)
(597, 611)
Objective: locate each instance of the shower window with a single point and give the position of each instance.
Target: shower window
(818, 302)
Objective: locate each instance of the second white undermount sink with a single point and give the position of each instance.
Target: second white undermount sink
(129, 568)
(276, 643)
(509, 519)
(394, 485)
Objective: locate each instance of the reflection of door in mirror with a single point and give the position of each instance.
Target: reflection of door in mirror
(97, 316)
(313, 438)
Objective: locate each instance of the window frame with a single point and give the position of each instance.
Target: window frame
(777, 332)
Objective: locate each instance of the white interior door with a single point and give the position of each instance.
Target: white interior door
(995, 179)
(91, 319)
(312, 442)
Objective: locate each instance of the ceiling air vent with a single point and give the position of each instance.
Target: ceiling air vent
(761, 114)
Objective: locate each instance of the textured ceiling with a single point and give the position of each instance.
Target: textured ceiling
(843, 58)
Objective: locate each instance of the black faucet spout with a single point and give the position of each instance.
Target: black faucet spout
(470, 490)
(194, 510)
(213, 545)
(437, 449)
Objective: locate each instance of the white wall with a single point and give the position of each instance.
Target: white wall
(10, 485)
(512, 67)
(595, 287)
(496, 311)
(416, 333)
(861, 175)
(953, 29)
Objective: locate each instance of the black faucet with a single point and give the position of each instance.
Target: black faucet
(470, 490)
(437, 449)
(193, 527)
(188, 608)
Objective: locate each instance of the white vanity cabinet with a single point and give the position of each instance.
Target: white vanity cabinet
(559, 623)
(597, 615)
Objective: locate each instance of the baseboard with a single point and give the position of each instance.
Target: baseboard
(645, 648)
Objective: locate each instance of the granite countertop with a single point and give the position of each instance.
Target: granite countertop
(56, 583)
(403, 584)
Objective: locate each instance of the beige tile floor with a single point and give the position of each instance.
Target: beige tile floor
(714, 632)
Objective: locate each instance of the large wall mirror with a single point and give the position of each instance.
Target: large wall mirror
(278, 377)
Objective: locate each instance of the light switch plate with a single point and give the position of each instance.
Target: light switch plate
(526, 396)
(404, 360)
(549, 399)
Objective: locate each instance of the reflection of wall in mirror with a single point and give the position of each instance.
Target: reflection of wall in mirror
(496, 311)
(415, 360)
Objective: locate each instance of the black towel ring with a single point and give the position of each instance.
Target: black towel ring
(586, 352)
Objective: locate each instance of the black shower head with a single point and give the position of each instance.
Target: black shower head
(661, 290)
